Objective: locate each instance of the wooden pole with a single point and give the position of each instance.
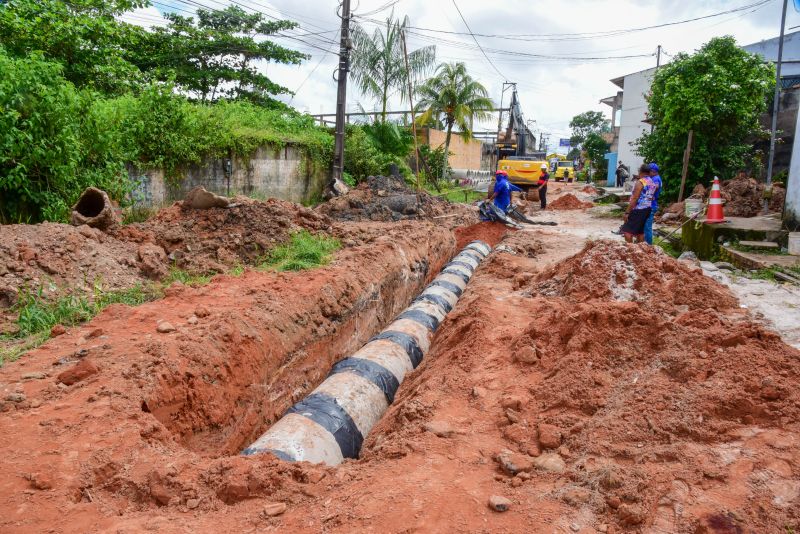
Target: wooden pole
(411, 104)
(686, 155)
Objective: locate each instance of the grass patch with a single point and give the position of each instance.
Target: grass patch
(138, 214)
(304, 250)
(36, 315)
(758, 250)
(617, 213)
(184, 277)
(668, 247)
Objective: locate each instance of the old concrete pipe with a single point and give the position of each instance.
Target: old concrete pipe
(330, 424)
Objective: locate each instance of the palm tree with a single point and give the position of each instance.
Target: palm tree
(452, 92)
(378, 66)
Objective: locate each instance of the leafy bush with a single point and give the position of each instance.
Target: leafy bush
(53, 144)
(430, 165)
(304, 250)
(161, 129)
(362, 158)
(719, 93)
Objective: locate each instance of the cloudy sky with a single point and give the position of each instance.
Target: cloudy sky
(561, 54)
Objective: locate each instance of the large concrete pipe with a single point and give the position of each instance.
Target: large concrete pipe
(330, 424)
(95, 209)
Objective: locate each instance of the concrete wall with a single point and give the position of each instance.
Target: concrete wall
(465, 155)
(634, 111)
(284, 173)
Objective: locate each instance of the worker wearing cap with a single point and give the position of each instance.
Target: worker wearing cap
(501, 194)
(648, 225)
(544, 178)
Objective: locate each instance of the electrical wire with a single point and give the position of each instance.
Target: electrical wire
(575, 36)
(477, 43)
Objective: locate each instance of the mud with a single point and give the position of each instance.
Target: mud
(568, 202)
(381, 198)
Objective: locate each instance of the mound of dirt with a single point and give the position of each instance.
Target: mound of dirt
(215, 239)
(745, 197)
(589, 189)
(386, 198)
(606, 404)
(612, 271)
(568, 202)
(51, 257)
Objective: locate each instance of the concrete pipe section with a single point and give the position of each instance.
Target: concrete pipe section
(330, 424)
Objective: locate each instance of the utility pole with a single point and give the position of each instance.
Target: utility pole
(341, 95)
(775, 106)
(411, 104)
(658, 56)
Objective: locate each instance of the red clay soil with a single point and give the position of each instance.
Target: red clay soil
(488, 232)
(618, 391)
(745, 197)
(568, 202)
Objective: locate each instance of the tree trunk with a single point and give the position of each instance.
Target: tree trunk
(447, 146)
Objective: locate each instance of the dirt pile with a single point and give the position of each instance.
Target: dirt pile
(744, 197)
(611, 271)
(589, 189)
(568, 202)
(215, 239)
(52, 257)
(623, 392)
(386, 198)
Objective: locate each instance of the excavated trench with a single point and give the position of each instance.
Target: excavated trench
(245, 371)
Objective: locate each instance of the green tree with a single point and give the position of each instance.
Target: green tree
(378, 65)
(53, 144)
(719, 92)
(216, 55)
(587, 136)
(85, 36)
(458, 97)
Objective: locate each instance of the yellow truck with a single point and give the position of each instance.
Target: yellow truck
(523, 171)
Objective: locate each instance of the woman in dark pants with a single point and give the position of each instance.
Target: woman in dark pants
(543, 180)
(639, 207)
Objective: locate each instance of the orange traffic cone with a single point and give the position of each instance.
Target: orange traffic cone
(714, 214)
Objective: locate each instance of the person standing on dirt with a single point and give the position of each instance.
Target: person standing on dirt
(501, 194)
(648, 225)
(640, 206)
(622, 175)
(544, 179)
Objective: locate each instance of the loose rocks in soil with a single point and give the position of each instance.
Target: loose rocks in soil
(386, 198)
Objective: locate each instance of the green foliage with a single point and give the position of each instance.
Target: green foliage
(37, 315)
(216, 56)
(184, 277)
(596, 147)
(161, 129)
(304, 250)
(719, 92)
(84, 36)
(587, 130)
(457, 96)
(586, 123)
(362, 158)
(390, 138)
(378, 65)
(433, 159)
(53, 144)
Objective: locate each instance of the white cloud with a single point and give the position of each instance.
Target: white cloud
(551, 91)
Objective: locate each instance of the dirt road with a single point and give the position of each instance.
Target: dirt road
(585, 385)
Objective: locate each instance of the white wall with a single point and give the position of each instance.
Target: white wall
(634, 111)
(769, 50)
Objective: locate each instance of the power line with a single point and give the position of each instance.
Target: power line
(576, 36)
(477, 43)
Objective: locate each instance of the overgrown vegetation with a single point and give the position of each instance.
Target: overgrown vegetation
(101, 94)
(304, 250)
(719, 93)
